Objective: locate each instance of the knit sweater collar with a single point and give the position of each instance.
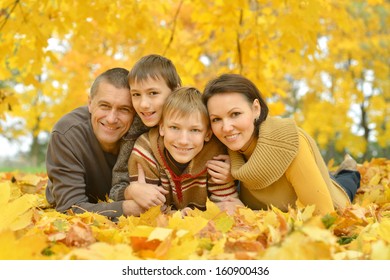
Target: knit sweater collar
(277, 146)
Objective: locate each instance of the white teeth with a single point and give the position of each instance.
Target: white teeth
(231, 137)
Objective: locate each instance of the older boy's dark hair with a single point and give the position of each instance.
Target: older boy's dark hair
(114, 76)
(155, 66)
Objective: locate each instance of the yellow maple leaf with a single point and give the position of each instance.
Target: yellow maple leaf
(191, 224)
(103, 251)
(380, 250)
(384, 230)
(15, 214)
(28, 247)
(298, 246)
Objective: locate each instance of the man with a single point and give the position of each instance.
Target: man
(84, 146)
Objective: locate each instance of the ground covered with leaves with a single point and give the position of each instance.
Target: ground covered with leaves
(29, 229)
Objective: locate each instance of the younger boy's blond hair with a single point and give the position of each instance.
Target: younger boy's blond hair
(183, 102)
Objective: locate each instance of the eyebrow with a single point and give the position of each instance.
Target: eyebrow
(147, 89)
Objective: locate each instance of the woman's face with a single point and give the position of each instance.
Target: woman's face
(232, 118)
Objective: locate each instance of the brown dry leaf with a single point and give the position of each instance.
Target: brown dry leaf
(79, 235)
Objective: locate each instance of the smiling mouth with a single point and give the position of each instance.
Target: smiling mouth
(182, 149)
(231, 138)
(147, 114)
(109, 127)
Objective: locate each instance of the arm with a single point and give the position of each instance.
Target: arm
(67, 185)
(144, 194)
(307, 181)
(225, 196)
(144, 176)
(120, 172)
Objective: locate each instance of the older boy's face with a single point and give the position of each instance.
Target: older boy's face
(111, 115)
(184, 137)
(148, 97)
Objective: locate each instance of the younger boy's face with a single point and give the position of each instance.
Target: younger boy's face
(148, 97)
(184, 137)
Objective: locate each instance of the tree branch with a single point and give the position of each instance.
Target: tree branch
(173, 28)
(7, 15)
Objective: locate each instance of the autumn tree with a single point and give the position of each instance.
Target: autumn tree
(318, 61)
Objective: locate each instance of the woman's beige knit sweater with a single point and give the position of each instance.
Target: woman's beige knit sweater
(285, 167)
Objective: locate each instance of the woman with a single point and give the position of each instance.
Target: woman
(276, 162)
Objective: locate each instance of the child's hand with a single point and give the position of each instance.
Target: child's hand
(219, 169)
(144, 194)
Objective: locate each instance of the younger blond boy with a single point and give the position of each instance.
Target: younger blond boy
(174, 154)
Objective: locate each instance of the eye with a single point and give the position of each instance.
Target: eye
(135, 94)
(104, 106)
(126, 110)
(196, 130)
(153, 93)
(215, 120)
(236, 114)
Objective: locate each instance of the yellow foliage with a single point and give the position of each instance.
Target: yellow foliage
(280, 45)
(360, 231)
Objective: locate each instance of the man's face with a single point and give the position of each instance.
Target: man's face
(111, 115)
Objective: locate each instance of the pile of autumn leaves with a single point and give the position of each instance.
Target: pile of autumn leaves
(29, 229)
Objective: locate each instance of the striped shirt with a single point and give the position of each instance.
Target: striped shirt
(188, 189)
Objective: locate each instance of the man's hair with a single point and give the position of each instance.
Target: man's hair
(183, 102)
(115, 76)
(155, 66)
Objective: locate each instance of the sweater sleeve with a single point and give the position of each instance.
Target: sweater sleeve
(307, 181)
(120, 172)
(220, 192)
(67, 187)
(142, 154)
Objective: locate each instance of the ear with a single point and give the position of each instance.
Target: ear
(89, 104)
(161, 129)
(208, 135)
(256, 108)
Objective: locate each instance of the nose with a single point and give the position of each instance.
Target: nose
(183, 137)
(144, 103)
(112, 116)
(226, 126)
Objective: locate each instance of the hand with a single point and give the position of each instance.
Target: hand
(131, 208)
(219, 169)
(185, 211)
(229, 204)
(144, 194)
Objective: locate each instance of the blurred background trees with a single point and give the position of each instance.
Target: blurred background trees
(325, 62)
